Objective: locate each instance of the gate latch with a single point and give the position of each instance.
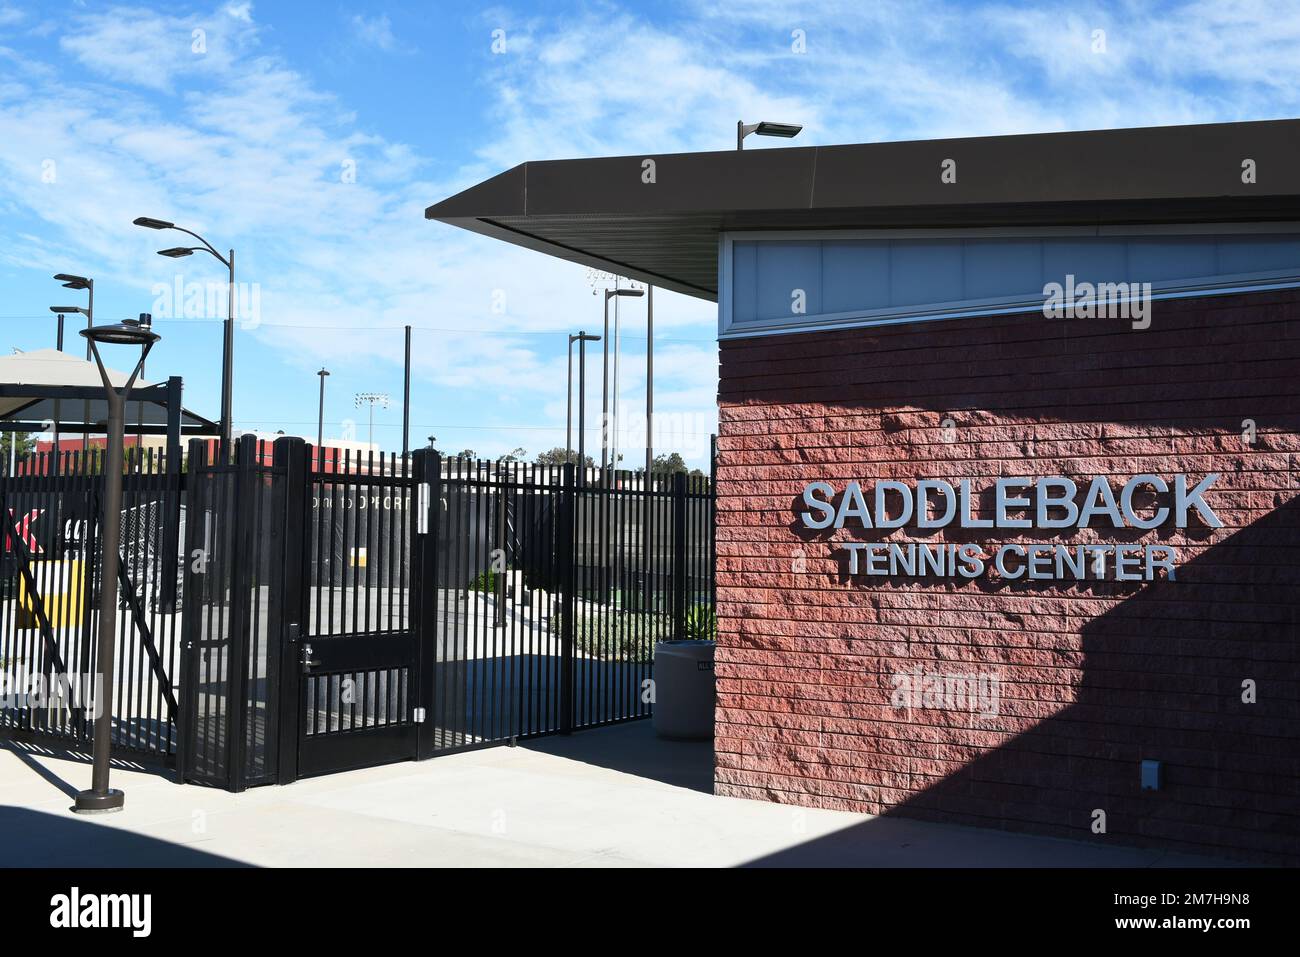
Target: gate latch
(307, 659)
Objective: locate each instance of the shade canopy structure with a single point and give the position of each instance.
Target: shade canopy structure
(46, 388)
(658, 218)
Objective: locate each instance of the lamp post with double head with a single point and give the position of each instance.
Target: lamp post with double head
(228, 338)
(604, 382)
(58, 412)
(582, 339)
(100, 797)
(80, 282)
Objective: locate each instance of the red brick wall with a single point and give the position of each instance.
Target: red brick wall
(1094, 676)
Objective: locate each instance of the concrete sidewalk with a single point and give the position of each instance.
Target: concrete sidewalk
(612, 797)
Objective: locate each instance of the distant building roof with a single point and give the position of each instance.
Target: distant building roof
(38, 387)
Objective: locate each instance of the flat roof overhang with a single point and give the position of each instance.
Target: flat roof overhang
(601, 213)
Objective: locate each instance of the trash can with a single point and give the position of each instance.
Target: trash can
(684, 690)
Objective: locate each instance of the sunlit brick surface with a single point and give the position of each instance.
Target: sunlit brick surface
(1094, 676)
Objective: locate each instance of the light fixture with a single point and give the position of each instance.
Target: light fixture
(73, 282)
(99, 798)
(228, 333)
(66, 309)
(765, 128)
(128, 332)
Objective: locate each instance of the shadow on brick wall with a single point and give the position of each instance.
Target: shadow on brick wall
(1159, 682)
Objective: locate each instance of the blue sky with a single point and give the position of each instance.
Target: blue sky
(310, 136)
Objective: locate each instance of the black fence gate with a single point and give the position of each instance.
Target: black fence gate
(283, 614)
(346, 611)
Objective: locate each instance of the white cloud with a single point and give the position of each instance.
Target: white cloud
(240, 144)
(375, 31)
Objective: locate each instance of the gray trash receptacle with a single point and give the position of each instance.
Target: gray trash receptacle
(684, 690)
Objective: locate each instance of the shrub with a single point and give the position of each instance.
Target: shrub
(702, 623)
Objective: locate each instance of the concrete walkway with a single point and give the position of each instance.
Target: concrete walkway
(609, 798)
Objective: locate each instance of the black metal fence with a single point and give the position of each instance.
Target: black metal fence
(552, 593)
(51, 512)
(286, 614)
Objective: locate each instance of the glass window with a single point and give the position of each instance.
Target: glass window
(854, 279)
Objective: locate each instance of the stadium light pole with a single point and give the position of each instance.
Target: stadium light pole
(100, 798)
(228, 338)
(372, 399)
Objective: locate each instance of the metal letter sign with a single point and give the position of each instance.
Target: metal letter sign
(1051, 502)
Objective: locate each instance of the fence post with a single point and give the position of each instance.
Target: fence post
(287, 605)
(427, 501)
(242, 564)
(568, 551)
(192, 591)
(679, 555)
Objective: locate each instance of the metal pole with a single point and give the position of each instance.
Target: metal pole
(57, 410)
(568, 414)
(100, 797)
(228, 362)
(582, 411)
(740, 134)
(618, 345)
(320, 420)
(604, 396)
(649, 381)
(406, 401)
(90, 324)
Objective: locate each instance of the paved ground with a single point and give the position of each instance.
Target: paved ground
(613, 797)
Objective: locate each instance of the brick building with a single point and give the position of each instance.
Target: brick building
(1008, 466)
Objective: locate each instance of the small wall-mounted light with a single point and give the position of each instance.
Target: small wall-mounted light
(765, 128)
(1151, 775)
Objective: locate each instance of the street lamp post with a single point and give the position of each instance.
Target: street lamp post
(604, 382)
(81, 282)
(228, 339)
(58, 344)
(406, 400)
(649, 381)
(320, 419)
(582, 339)
(100, 798)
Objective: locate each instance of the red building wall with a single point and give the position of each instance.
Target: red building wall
(1094, 676)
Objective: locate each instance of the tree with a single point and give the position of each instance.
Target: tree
(22, 444)
(558, 456)
(669, 464)
(466, 454)
(516, 455)
(672, 462)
